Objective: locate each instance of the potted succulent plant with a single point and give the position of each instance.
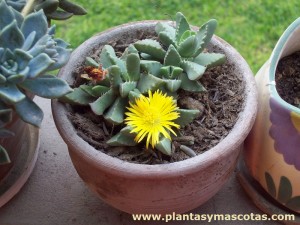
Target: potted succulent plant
(28, 52)
(271, 152)
(138, 99)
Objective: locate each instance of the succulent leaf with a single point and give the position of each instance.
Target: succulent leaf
(134, 94)
(204, 35)
(181, 25)
(210, 59)
(103, 102)
(59, 15)
(99, 90)
(193, 70)
(108, 58)
(10, 93)
(126, 87)
(37, 20)
(29, 112)
(39, 65)
(133, 66)
(91, 62)
(115, 113)
(11, 37)
(166, 38)
(123, 138)
(152, 67)
(164, 146)
(190, 85)
(151, 47)
(47, 87)
(173, 85)
(7, 15)
(78, 97)
(186, 116)
(115, 76)
(148, 82)
(71, 7)
(172, 57)
(187, 47)
(165, 27)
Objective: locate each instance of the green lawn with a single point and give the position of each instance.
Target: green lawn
(251, 26)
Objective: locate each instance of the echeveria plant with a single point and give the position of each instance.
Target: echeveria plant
(139, 89)
(28, 51)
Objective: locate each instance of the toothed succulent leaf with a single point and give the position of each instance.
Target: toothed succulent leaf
(91, 62)
(164, 146)
(148, 82)
(173, 85)
(126, 87)
(187, 47)
(133, 66)
(115, 113)
(151, 47)
(186, 116)
(78, 97)
(210, 59)
(181, 25)
(170, 72)
(134, 94)
(103, 102)
(94, 91)
(190, 85)
(172, 57)
(152, 67)
(194, 71)
(123, 138)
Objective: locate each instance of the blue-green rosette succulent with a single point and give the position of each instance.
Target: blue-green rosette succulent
(28, 50)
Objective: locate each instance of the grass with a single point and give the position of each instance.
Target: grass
(252, 27)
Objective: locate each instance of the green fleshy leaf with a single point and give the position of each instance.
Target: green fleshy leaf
(91, 62)
(108, 58)
(71, 7)
(115, 113)
(29, 112)
(270, 185)
(170, 72)
(193, 70)
(59, 15)
(162, 27)
(77, 97)
(164, 146)
(47, 87)
(285, 190)
(150, 47)
(190, 85)
(187, 48)
(204, 35)
(126, 87)
(103, 102)
(133, 66)
(99, 90)
(210, 59)
(133, 95)
(115, 76)
(186, 116)
(152, 67)
(149, 82)
(4, 157)
(172, 57)
(181, 25)
(123, 138)
(173, 85)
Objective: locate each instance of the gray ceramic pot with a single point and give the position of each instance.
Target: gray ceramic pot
(176, 187)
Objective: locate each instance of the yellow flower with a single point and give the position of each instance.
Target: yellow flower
(151, 116)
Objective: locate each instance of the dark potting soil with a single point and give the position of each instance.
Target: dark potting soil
(219, 107)
(287, 79)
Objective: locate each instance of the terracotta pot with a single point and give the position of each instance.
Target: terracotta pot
(13, 144)
(272, 149)
(175, 187)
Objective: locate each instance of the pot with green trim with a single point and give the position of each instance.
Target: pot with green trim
(272, 148)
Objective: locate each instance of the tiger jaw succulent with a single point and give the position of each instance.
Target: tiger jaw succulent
(148, 67)
(28, 51)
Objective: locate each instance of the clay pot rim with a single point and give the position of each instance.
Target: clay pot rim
(274, 60)
(114, 165)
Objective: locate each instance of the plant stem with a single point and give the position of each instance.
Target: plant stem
(28, 8)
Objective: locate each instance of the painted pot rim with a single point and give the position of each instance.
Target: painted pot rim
(274, 59)
(114, 165)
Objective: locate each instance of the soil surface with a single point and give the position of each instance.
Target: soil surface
(219, 107)
(288, 79)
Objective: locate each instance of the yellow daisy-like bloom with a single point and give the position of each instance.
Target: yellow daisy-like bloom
(152, 116)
